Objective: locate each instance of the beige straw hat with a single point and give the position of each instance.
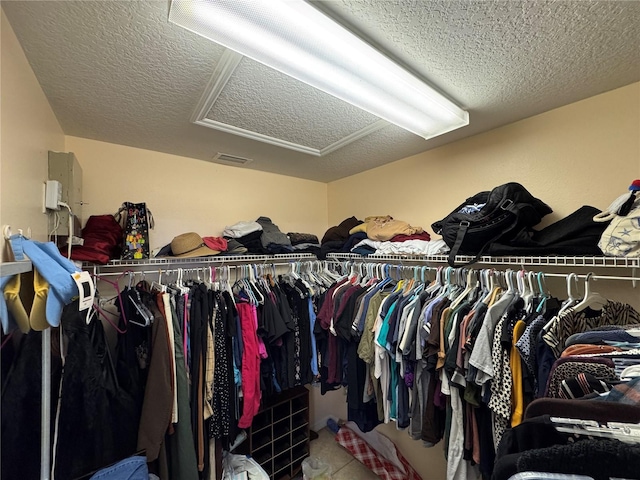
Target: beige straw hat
(190, 245)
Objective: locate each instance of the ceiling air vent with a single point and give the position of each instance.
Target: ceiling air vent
(233, 160)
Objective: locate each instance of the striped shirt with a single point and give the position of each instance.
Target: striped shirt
(570, 322)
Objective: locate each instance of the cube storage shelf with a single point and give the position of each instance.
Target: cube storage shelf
(278, 438)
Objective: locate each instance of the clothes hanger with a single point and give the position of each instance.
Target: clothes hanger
(423, 270)
(353, 274)
(527, 292)
(334, 276)
(531, 281)
(573, 298)
(142, 310)
(207, 277)
(157, 285)
(544, 294)
(509, 278)
(293, 272)
(436, 285)
(453, 287)
(366, 276)
(118, 296)
(378, 281)
(489, 282)
(373, 274)
(133, 294)
(263, 280)
(252, 284)
(520, 285)
(185, 288)
(303, 277)
(246, 287)
(227, 283)
(592, 300)
(318, 268)
(97, 311)
(624, 432)
(471, 283)
(488, 279)
(572, 295)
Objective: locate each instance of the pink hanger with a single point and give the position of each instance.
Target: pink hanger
(116, 287)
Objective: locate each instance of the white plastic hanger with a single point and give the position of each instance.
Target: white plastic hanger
(253, 284)
(592, 300)
(493, 286)
(529, 294)
(246, 285)
(509, 277)
(573, 296)
(226, 284)
(624, 432)
(472, 283)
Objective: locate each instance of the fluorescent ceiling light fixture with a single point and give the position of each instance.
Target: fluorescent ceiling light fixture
(298, 40)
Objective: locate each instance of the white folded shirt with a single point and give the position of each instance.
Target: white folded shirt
(241, 229)
(408, 247)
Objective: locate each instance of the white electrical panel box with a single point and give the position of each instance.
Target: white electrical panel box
(53, 195)
(64, 168)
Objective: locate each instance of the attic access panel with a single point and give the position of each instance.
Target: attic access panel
(249, 99)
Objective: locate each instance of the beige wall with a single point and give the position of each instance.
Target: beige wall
(333, 404)
(29, 129)
(586, 153)
(191, 195)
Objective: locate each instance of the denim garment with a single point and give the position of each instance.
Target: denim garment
(133, 468)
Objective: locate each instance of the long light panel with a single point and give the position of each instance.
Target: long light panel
(298, 40)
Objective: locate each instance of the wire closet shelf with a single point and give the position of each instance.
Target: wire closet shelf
(559, 261)
(214, 261)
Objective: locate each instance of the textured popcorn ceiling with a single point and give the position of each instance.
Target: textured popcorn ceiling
(120, 72)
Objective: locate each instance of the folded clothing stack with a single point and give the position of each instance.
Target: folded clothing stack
(304, 243)
(384, 228)
(272, 239)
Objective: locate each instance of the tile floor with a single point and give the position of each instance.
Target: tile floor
(343, 465)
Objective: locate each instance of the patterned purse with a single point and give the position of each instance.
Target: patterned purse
(622, 236)
(136, 220)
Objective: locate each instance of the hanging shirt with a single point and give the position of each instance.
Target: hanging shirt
(517, 395)
(481, 355)
(570, 322)
(314, 351)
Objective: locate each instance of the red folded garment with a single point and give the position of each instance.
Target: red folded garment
(416, 236)
(102, 237)
(216, 243)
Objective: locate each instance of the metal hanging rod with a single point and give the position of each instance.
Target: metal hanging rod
(593, 277)
(411, 261)
(409, 268)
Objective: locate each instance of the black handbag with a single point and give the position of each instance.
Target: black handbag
(136, 220)
(488, 217)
